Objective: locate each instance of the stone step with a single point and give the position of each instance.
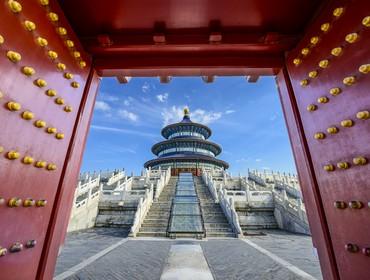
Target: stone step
(152, 234)
(216, 225)
(153, 229)
(155, 223)
(210, 203)
(212, 213)
(196, 235)
(160, 203)
(162, 206)
(212, 209)
(215, 208)
(220, 234)
(214, 220)
(260, 226)
(123, 226)
(158, 214)
(219, 230)
(159, 211)
(163, 199)
(157, 218)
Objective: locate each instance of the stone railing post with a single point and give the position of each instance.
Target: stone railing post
(247, 194)
(285, 198)
(300, 212)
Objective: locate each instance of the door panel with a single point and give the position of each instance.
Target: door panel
(318, 70)
(36, 152)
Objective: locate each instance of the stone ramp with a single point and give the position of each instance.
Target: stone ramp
(186, 216)
(186, 261)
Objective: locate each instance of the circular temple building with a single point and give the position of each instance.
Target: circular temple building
(186, 148)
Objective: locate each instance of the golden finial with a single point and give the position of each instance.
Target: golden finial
(186, 112)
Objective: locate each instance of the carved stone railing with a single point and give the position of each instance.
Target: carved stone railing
(207, 179)
(89, 184)
(293, 191)
(116, 177)
(228, 207)
(85, 207)
(256, 179)
(162, 182)
(226, 203)
(124, 195)
(142, 209)
(295, 208)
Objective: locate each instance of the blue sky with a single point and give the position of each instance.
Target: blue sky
(246, 120)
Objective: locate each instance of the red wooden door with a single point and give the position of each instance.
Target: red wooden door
(328, 77)
(43, 76)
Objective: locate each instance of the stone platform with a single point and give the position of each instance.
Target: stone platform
(104, 254)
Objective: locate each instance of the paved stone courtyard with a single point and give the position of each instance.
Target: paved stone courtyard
(108, 254)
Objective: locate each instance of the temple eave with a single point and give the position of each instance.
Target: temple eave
(176, 143)
(187, 158)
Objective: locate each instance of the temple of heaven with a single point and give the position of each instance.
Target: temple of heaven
(186, 148)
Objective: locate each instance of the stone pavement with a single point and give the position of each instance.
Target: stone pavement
(84, 244)
(278, 255)
(294, 248)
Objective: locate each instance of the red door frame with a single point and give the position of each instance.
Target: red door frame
(307, 178)
(61, 213)
(64, 198)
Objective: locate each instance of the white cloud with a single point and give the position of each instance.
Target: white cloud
(111, 98)
(146, 87)
(162, 97)
(175, 114)
(227, 112)
(258, 160)
(172, 115)
(128, 101)
(108, 97)
(124, 131)
(128, 115)
(102, 106)
(204, 117)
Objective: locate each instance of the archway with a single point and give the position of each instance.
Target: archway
(48, 92)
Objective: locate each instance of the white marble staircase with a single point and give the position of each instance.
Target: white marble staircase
(214, 220)
(156, 221)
